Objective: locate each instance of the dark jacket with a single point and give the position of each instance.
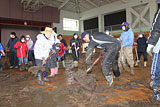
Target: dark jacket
(11, 43)
(103, 40)
(77, 41)
(64, 42)
(155, 31)
(142, 44)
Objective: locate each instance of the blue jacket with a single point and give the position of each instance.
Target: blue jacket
(1, 48)
(11, 44)
(127, 38)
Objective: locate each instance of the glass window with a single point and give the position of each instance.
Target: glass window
(70, 24)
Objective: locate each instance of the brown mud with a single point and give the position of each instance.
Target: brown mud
(72, 87)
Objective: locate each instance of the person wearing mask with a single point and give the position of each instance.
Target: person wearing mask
(109, 49)
(29, 44)
(22, 49)
(154, 49)
(108, 32)
(141, 48)
(13, 54)
(75, 47)
(126, 53)
(42, 49)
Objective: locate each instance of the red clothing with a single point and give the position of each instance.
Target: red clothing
(62, 48)
(24, 49)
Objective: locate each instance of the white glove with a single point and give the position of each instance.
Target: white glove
(77, 48)
(150, 49)
(73, 43)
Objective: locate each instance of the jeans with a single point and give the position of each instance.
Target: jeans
(144, 55)
(22, 60)
(155, 69)
(13, 59)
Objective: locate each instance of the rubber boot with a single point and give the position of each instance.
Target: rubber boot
(56, 71)
(109, 80)
(57, 64)
(63, 63)
(132, 70)
(45, 76)
(137, 63)
(145, 64)
(39, 73)
(52, 73)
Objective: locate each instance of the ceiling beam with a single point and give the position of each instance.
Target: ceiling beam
(63, 4)
(95, 5)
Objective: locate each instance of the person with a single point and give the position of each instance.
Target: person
(32, 53)
(1, 54)
(154, 46)
(141, 48)
(110, 48)
(75, 47)
(41, 51)
(60, 37)
(60, 55)
(126, 54)
(22, 49)
(55, 44)
(108, 32)
(29, 44)
(13, 54)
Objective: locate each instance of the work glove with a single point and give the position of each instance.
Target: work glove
(150, 49)
(19, 46)
(77, 48)
(58, 45)
(73, 43)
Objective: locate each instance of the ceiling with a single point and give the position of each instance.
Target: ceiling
(76, 6)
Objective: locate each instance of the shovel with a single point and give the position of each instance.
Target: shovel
(89, 69)
(35, 69)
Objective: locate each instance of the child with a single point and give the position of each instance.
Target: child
(142, 47)
(75, 46)
(60, 55)
(3, 54)
(22, 49)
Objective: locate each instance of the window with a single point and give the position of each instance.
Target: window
(91, 24)
(70, 24)
(114, 20)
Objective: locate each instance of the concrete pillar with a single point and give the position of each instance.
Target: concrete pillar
(153, 9)
(81, 26)
(101, 23)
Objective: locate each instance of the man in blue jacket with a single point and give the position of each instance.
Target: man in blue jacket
(154, 45)
(127, 39)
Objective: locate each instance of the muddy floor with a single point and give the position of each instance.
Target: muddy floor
(75, 88)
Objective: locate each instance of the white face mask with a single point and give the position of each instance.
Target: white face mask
(22, 40)
(140, 36)
(108, 33)
(123, 28)
(11, 36)
(27, 39)
(76, 37)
